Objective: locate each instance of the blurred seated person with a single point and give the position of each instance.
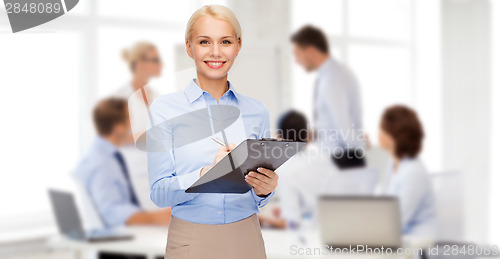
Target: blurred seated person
(310, 174)
(104, 174)
(401, 134)
(291, 125)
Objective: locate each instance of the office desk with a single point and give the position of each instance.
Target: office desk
(151, 242)
(148, 241)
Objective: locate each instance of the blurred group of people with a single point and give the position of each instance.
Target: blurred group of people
(337, 145)
(110, 165)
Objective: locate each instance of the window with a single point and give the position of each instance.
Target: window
(380, 19)
(328, 16)
(383, 72)
(40, 133)
(156, 10)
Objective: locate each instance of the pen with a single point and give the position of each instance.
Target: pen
(218, 141)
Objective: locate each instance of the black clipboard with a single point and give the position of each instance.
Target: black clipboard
(228, 175)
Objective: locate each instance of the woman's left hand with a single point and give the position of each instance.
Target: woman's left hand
(264, 182)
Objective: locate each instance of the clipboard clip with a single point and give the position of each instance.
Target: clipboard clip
(276, 139)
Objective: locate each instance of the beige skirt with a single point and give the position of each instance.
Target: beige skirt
(241, 239)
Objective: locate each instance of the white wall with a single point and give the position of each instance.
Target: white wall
(466, 105)
(495, 118)
(266, 24)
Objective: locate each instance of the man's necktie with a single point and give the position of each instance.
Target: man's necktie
(121, 161)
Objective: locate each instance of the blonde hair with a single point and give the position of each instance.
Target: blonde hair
(136, 52)
(216, 11)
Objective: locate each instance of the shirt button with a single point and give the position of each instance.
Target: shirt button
(220, 212)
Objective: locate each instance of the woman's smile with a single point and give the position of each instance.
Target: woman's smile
(215, 64)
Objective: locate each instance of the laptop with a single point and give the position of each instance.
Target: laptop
(370, 221)
(70, 225)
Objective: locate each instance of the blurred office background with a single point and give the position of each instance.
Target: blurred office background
(441, 57)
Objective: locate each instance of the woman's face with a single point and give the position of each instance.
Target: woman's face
(385, 140)
(213, 46)
(150, 65)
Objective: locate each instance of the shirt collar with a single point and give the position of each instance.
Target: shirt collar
(327, 63)
(105, 146)
(232, 91)
(193, 91)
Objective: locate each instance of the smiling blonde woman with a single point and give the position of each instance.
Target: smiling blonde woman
(210, 225)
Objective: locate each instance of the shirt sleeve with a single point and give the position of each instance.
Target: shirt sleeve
(411, 193)
(167, 186)
(290, 200)
(111, 197)
(261, 201)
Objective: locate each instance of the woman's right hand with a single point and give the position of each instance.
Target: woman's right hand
(221, 153)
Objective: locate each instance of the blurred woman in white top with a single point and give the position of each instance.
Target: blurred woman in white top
(144, 63)
(401, 134)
